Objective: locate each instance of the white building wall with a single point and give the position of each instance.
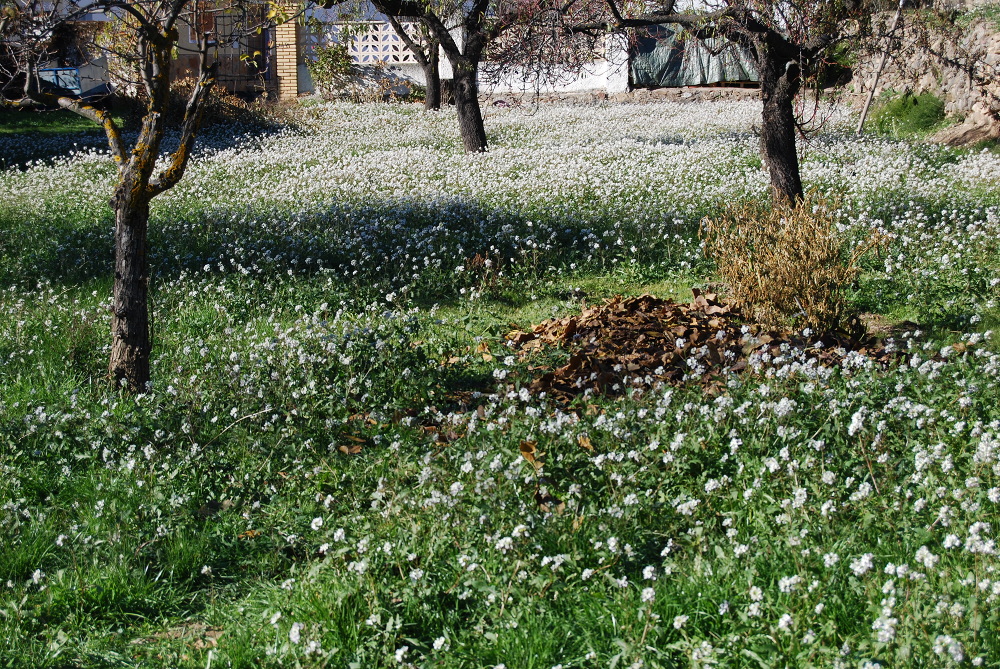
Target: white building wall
(381, 54)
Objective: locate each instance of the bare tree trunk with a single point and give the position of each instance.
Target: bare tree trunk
(432, 75)
(130, 343)
(470, 116)
(779, 83)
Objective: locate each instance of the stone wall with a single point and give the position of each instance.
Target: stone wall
(954, 69)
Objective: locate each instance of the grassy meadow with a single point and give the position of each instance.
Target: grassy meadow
(328, 470)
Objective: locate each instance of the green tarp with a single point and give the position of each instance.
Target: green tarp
(662, 58)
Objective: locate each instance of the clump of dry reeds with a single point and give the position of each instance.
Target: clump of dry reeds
(784, 265)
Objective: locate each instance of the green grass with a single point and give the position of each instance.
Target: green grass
(987, 11)
(908, 115)
(222, 520)
(49, 122)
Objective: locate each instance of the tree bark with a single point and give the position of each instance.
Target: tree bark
(779, 82)
(130, 342)
(432, 75)
(470, 116)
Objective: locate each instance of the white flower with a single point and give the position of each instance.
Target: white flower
(789, 583)
(679, 621)
(862, 565)
(294, 634)
(648, 594)
(830, 559)
(401, 653)
(785, 622)
(857, 421)
(926, 558)
(416, 574)
(206, 570)
(441, 643)
(316, 523)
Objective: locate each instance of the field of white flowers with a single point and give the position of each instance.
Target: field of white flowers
(328, 471)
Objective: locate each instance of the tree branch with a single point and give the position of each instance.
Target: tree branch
(193, 113)
(101, 118)
(415, 49)
(435, 25)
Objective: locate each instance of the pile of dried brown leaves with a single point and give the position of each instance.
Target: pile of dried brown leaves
(645, 341)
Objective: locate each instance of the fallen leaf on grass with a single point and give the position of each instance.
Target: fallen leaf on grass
(530, 453)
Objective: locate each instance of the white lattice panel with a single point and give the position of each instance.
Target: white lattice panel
(378, 43)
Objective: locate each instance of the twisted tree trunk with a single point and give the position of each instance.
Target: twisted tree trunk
(470, 116)
(779, 83)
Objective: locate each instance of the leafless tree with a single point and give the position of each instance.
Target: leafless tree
(540, 47)
(425, 48)
(477, 23)
(150, 30)
(788, 41)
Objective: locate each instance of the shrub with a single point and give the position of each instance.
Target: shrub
(908, 115)
(784, 264)
(332, 68)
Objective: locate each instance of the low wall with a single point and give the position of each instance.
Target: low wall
(639, 95)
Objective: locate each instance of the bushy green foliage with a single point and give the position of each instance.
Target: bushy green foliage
(331, 67)
(908, 115)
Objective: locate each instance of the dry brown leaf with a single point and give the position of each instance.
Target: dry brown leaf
(530, 453)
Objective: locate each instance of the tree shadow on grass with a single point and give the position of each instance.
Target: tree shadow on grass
(434, 248)
(47, 141)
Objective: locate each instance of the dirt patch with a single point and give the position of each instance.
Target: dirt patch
(196, 635)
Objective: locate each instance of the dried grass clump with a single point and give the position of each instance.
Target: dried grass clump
(784, 264)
